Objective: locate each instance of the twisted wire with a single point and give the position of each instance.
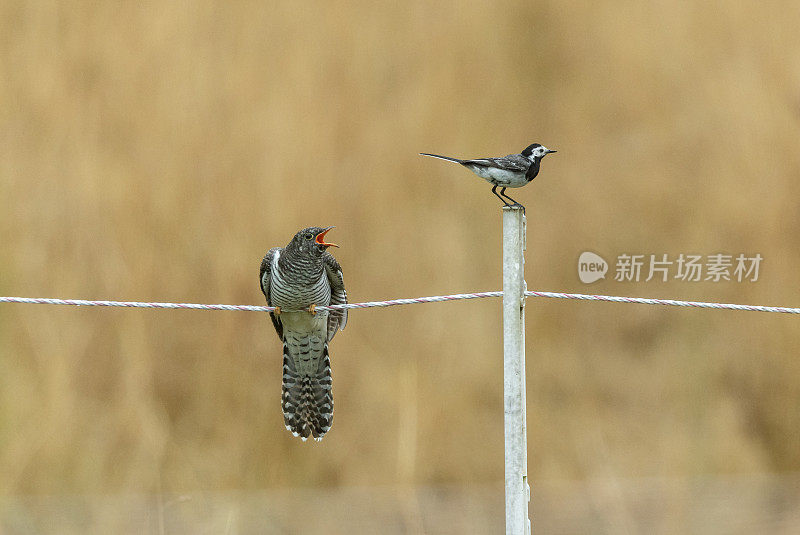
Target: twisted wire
(406, 301)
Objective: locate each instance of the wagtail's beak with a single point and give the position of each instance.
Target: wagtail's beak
(549, 151)
(320, 238)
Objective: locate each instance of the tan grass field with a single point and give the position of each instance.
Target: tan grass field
(156, 150)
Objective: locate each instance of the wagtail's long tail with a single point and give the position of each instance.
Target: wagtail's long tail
(448, 158)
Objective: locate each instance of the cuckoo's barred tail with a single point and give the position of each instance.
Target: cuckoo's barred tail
(307, 399)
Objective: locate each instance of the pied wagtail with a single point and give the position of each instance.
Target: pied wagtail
(512, 171)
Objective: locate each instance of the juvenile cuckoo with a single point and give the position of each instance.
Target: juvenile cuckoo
(296, 279)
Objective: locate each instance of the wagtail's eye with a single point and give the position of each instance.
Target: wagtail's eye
(308, 236)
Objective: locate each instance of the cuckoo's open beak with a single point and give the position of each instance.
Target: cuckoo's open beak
(320, 238)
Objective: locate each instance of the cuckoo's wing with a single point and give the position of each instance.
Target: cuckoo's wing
(337, 319)
(266, 280)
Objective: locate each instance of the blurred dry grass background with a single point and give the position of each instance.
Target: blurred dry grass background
(156, 150)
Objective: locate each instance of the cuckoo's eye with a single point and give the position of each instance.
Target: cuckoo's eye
(308, 236)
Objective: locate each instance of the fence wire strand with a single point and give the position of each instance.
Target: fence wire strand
(408, 301)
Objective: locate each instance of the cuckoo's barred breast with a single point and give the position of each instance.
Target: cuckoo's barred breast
(299, 284)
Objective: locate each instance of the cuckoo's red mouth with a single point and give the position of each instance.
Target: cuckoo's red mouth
(320, 238)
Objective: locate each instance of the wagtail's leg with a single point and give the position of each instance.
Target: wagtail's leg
(494, 190)
(503, 193)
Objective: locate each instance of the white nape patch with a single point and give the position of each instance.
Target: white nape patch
(275, 259)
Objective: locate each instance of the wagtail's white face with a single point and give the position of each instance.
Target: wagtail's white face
(537, 152)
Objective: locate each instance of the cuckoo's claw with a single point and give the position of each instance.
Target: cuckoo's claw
(313, 309)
